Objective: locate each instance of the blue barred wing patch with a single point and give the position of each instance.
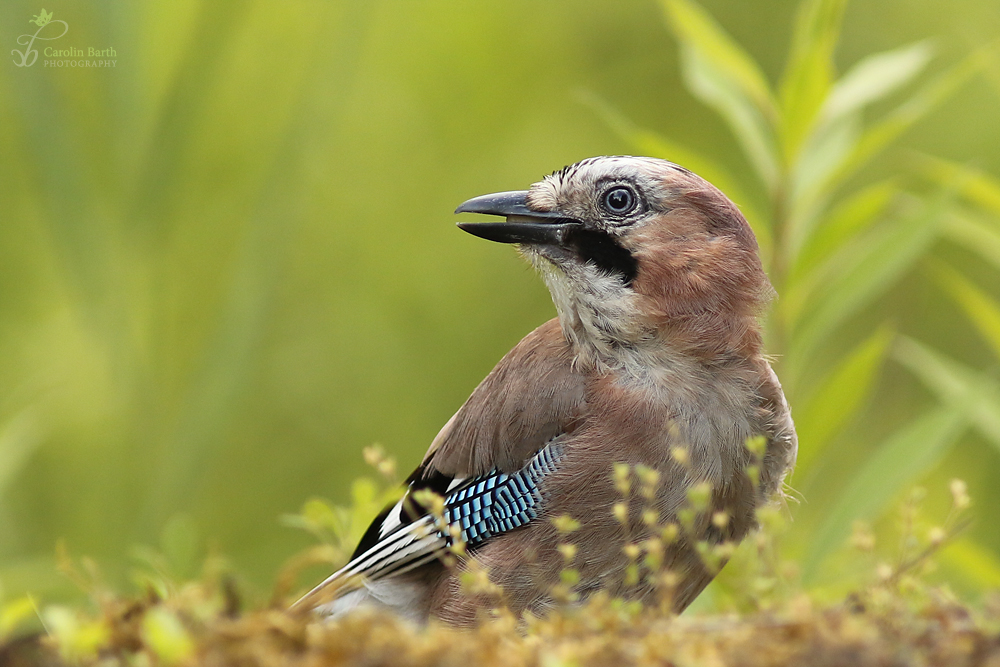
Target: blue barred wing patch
(483, 507)
(497, 502)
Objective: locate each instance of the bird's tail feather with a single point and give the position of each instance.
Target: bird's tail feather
(403, 550)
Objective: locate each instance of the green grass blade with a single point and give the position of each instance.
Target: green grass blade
(954, 385)
(808, 196)
(975, 234)
(976, 186)
(878, 260)
(693, 25)
(875, 77)
(722, 75)
(809, 74)
(838, 135)
(979, 307)
(19, 438)
(899, 462)
(838, 148)
(852, 216)
(878, 136)
(976, 564)
(819, 418)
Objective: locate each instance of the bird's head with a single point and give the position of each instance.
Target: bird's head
(639, 254)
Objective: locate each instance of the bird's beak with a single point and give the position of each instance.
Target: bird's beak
(523, 224)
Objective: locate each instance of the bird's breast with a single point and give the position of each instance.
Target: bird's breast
(657, 407)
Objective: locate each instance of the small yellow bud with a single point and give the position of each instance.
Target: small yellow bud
(757, 445)
(621, 512)
(433, 502)
(652, 545)
(862, 538)
(373, 455)
(565, 524)
(720, 520)
(631, 551)
(699, 495)
(724, 550)
(569, 576)
(960, 494)
(376, 457)
(622, 472)
(648, 476)
(568, 551)
(681, 455)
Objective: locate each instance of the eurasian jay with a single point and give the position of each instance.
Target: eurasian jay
(655, 360)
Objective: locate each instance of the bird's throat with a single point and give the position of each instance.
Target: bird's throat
(599, 315)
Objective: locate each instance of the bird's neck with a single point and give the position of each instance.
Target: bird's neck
(610, 328)
(599, 322)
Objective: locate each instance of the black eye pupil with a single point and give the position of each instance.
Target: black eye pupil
(619, 200)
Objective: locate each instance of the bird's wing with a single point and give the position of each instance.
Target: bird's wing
(408, 537)
(531, 396)
(487, 463)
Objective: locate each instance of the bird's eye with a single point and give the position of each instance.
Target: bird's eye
(619, 200)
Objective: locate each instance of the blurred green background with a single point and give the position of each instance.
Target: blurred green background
(229, 263)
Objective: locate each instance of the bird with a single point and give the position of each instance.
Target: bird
(654, 362)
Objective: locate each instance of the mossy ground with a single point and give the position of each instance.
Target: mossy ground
(876, 629)
(892, 617)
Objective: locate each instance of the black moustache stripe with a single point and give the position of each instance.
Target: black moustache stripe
(603, 251)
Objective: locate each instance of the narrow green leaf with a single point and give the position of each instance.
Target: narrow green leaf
(723, 76)
(876, 77)
(877, 137)
(972, 562)
(899, 462)
(694, 26)
(838, 148)
(852, 216)
(810, 70)
(744, 121)
(878, 260)
(15, 614)
(991, 68)
(956, 386)
(19, 438)
(837, 399)
(822, 156)
(976, 186)
(838, 135)
(975, 234)
(979, 307)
